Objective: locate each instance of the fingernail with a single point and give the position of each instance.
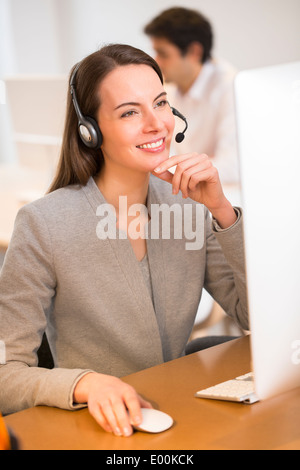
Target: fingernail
(157, 170)
(137, 420)
(126, 432)
(118, 432)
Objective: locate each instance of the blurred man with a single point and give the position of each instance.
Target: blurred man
(198, 85)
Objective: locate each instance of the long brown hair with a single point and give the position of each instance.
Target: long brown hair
(77, 162)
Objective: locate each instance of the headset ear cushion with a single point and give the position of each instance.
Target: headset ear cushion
(90, 133)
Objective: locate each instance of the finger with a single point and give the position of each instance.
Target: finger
(134, 405)
(182, 173)
(165, 176)
(123, 419)
(127, 409)
(145, 403)
(208, 175)
(181, 164)
(110, 416)
(172, 161)
(138, 416)
(194, 175)
(97, 414)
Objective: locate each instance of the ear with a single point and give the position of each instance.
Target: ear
(195, 51)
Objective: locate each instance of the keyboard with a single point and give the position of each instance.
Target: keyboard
(240, 389)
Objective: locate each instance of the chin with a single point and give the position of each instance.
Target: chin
(157, 161)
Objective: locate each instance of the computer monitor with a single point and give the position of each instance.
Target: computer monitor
(268, 124)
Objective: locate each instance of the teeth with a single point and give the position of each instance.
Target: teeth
(152, 146)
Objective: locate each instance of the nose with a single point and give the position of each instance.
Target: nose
(152, 122)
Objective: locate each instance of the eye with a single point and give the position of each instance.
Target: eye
(161, 104)
(128, 114)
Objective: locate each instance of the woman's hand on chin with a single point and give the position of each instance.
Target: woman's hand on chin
(197, 178)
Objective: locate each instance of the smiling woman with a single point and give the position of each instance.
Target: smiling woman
(111, 306)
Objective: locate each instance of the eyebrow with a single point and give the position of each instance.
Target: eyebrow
(132, 103)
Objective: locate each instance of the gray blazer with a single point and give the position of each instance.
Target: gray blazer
(91, 298)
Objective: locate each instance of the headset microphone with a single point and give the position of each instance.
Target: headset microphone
(180, 136)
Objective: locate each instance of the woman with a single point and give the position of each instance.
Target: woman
(113, 302)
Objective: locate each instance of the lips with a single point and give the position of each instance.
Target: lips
(152, 145)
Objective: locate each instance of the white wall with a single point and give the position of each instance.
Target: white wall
(49, 36)
(34, 27)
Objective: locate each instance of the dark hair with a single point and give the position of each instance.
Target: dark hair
(182, 26)
(78, 163)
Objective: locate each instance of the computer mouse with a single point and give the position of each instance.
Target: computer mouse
(154, 421)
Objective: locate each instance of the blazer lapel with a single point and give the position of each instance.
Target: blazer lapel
(156, 255)
(142, 302)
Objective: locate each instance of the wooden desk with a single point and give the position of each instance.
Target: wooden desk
(199, 423)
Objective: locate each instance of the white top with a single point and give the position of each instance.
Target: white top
(209, 109)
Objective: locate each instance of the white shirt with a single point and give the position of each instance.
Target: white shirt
(209, 109)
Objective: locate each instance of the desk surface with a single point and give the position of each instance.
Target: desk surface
(199, 423)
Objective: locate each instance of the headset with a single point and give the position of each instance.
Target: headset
(180, 136)
(88, 128)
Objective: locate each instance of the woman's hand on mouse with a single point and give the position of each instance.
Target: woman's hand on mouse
(197, 178)
(115, 405)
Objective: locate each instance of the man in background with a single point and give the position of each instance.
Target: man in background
(198, 85)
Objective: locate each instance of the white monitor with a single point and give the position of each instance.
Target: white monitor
(268, 120)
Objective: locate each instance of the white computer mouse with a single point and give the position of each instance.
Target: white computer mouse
(154, 421)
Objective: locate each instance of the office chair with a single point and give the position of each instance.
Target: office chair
(198, 344)
(44, 354)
